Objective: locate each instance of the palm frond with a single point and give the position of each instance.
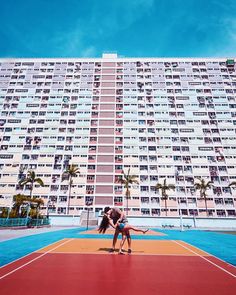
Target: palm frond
(203, 184)
(198, 177)
(31, 179)
(171, 186)
(197, 185)
(39, 181)
(24, 181)
(209, 184)
(72, 170)
(133, 180)
(159, 185)
(31, 174)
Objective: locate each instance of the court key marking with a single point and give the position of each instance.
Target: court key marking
(36, 258)
(206, 259)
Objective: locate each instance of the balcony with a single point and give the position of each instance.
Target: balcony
(118, 132)
(91, 159)
(118, 141)
(118, 203)
(90, 180)
(118, 151)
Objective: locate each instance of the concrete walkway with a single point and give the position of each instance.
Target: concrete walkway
(9, 234)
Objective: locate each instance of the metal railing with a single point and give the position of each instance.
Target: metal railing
(29, 222)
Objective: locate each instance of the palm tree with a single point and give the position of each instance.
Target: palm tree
(203, 186)
(70, 172)
(31, 179)
(164, 188)
(128, 180)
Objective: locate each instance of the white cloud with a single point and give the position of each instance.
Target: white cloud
(89, 52)
(228, 44)
(79, 35)
(120, 15)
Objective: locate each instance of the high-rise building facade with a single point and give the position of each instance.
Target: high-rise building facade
(164, 118)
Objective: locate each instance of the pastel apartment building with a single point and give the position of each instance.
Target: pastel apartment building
(164, 118)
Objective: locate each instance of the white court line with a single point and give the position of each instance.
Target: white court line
(30, 253)
(125, 253)
(14, 270)
(206, 259)
(230, 264)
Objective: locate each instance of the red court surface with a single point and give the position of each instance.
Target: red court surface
(83, 266)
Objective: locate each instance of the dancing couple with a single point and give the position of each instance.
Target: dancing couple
(116, 218)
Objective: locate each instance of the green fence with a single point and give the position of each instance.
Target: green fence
(14, 222)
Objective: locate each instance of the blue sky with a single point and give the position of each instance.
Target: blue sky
(146, 28)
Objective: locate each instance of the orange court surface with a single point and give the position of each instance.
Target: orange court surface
(140, 247)
(81, 264)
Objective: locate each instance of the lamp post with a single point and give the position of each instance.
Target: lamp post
(180, 215)
(28, 204)
(27, 213)
(88, 204)
(194, 218)
(8, 212)
(28, 210)
(49, 204)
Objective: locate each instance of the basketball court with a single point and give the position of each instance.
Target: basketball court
(80, 265)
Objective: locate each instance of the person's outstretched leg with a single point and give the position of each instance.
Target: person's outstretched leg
(129, 227)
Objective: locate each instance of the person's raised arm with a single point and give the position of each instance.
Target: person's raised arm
(111, 222)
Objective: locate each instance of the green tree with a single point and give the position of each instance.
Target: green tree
(18, 201)
(128, 180)
(164, 188)
(4, 212)
(70, 172)
(31, 179)
(203, 186)
(36, 202)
